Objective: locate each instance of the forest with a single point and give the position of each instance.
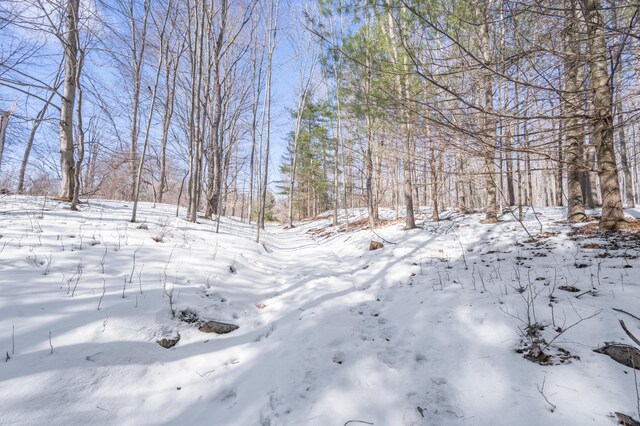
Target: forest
(474, 105)
(318, 212)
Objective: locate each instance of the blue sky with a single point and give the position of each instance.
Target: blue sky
(284, 81)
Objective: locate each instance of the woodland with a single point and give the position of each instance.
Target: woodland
(319, 212)
(474, 105)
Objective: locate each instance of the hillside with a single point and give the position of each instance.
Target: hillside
(452, 323)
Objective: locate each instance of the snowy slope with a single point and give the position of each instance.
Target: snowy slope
(423, 331)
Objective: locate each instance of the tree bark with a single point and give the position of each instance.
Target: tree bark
(434, 182)
(77, 171)
(612, 213)
(509, 166)
(488, 120)
(171, 73)
(629, 201)
(215, 148)
(4, 123)
(68, 100)
(572, 127)
(137, 56)
(196, 109)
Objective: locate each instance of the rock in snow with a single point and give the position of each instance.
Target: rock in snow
(217, 327)
(375, 245)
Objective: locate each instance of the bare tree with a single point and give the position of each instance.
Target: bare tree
(77, 170)
(271, 41)
(32, 134)
(154, 91)
(403, 93)
(572, 108)
(309, 59)
(68, 99)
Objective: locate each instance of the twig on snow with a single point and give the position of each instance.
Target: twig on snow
(625, 312)
(552, 407)
(383, 239)
(626, 330)
(104, 289)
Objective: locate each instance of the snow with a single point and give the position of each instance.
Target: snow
(422, 331)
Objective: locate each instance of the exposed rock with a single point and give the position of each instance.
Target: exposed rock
(169, 342)
(217, 327)
(625, 420)
(624, 354)
(375, 245)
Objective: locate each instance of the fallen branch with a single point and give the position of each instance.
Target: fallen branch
(625, 312)
(90, 357)
(386, 241)
(631, 336)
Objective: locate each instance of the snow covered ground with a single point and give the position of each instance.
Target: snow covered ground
(422, 331)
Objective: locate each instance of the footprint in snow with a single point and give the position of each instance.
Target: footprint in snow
(439, 405)
(442, 399)
(264, 336)
(228, 396)
(275, 410)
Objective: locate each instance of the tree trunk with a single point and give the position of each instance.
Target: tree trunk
(256, 89)
(137, 56)
(434, 182)
(215, 149)
(368, 159)
(305, 84)
(509, 166)
(4, 123)
(403, 93)
(589, 177)
(559, 173)
(80, 157)
(572, 127)
(340, 141)
(629, 201)
(271, 43)
(68, 100)
(624, 161)
(612, 213)
(171, 74)
(196, 110)
(488, 121)
(27, 150)
(138, 180)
